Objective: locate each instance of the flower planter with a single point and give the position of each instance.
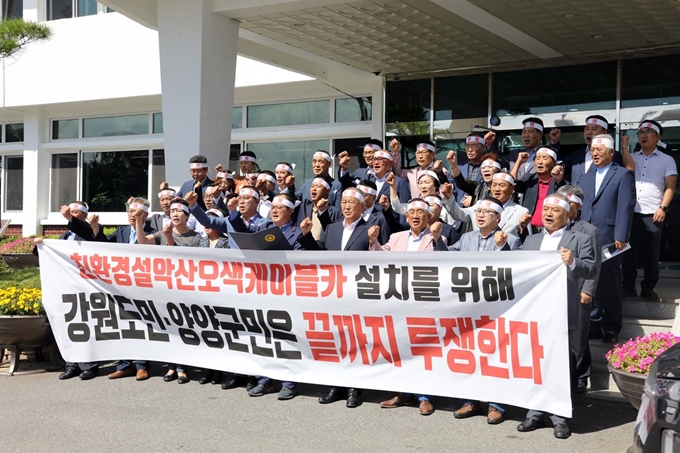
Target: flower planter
(631, 385)
(23, 332)
(20, 260)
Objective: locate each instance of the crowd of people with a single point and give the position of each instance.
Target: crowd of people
(602, 209)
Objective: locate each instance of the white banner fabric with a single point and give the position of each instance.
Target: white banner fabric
(489, 326)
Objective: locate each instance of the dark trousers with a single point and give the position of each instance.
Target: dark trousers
(582, 349)
(607, 310)
(84, 366)
(140, 364)
(645, 243)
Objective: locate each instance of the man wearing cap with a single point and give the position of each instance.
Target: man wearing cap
(656, 175)
(198, 167)
(609, 200)
(317, 209)
(360, 173)
(545, 180)
(321, 163)
(578, 163)
(578, 254)
(502, 188)
(575, 196)
(425, 158)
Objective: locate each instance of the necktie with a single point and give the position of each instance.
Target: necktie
(316, 224)
(133, 236)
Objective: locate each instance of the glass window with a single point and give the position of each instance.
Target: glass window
(157, 123)
(299, 153)
(313, 112)
(111, 177)
(555, 90)
(650, 81)
(116, 125)
(353, 109)
(157, 176)
(14, 133)
(408, 101)
(59, 9)
(461, 97)
(63, 129)
(237, 118)
(64, 177)
(12, 9)
(87, 7)
(14, 183)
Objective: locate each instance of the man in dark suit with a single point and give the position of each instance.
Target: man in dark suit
(350, 234)
(360, 173)
(198, 166)
(608, 204)
(321, 163)
(374, 214)
(578, 254)
(317, 208)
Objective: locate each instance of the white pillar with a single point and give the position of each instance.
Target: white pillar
(198, 66)
(36, 172)
(377, 101)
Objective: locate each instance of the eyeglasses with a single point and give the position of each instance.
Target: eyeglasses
(645, 132)
(277, 207)
(484, 213)
(423, 152)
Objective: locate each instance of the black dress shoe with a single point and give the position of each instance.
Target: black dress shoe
(561, 431)
(235, 380)
(206, 378)
(216, 378)
(183, 379)
(69, 373)
(252, 383)
(530, 424)
(332, 395)
(88, 374)
(353, 398)
(610, 337)
(170, 377)
(580, 388)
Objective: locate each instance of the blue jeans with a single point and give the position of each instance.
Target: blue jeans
(419, 397)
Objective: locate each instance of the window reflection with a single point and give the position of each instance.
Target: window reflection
(313, 112)
(298, 152)
(116, 125)
(110, 178)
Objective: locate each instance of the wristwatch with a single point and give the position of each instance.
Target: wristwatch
(664, 208)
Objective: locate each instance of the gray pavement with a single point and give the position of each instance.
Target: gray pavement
(43, 414)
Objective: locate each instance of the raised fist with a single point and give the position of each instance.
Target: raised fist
(343, 160)
(384, 202)
(373, 233)
(501, 237)
(306, 226)
(191, 198)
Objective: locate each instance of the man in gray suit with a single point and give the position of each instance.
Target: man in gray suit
(578, 254)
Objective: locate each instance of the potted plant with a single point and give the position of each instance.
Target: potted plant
(17, 253)
(629, 362)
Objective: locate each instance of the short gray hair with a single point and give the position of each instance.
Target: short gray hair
(571, 190)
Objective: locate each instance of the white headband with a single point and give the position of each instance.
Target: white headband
(372, 146)
(246, 159)
(165, 192)
(322, 182)
(536, 126)
(603, 141)
(217, 212)
(429, 173)
(138, 206)
(224, 175)
(251, 192)
(353, 193)
(490, 205)
(475, 139)
(426, 146)
(491, 163)
(78, 206)
(574, 199)
(367, 190)
(266, 177)
(284, 167)
(434, 200)
(383, 155)
(283, 201)
(323, 155)
(505, 177)
(419, 205)
(549, 152)
(179, 206)
(650, 125)
(198, 165)
(557, 202)
(599, 122)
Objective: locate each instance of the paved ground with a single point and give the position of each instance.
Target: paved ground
(43, 414)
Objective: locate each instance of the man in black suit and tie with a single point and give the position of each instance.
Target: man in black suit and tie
(578, 254)
(609, 201)
(198, 166)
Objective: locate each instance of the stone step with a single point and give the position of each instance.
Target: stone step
(637, 327)
(665, 308)
(602, 395)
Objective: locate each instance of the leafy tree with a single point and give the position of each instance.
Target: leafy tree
(16, 33)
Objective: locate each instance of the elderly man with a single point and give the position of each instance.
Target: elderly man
(360, 173)
(321, 163)
(575, 196)
(532, 139)
(426, 152)
(578, 254)
(502, 188)
(316, 207)
(609, 200)
(656, 175)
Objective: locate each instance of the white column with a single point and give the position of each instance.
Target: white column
(377, 101)
(36, 172)
(198, 65)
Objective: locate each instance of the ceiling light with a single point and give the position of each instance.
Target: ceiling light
(467, 51)
(597, 36)
(429, 33)
(384, 13)
(347, 43)
(569, 16)
(573, 110)
(298, 24)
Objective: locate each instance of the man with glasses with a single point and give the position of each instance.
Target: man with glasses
(360, 173)
(425, 158)
(656, 175)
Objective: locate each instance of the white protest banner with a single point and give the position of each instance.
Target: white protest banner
(490, 326)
